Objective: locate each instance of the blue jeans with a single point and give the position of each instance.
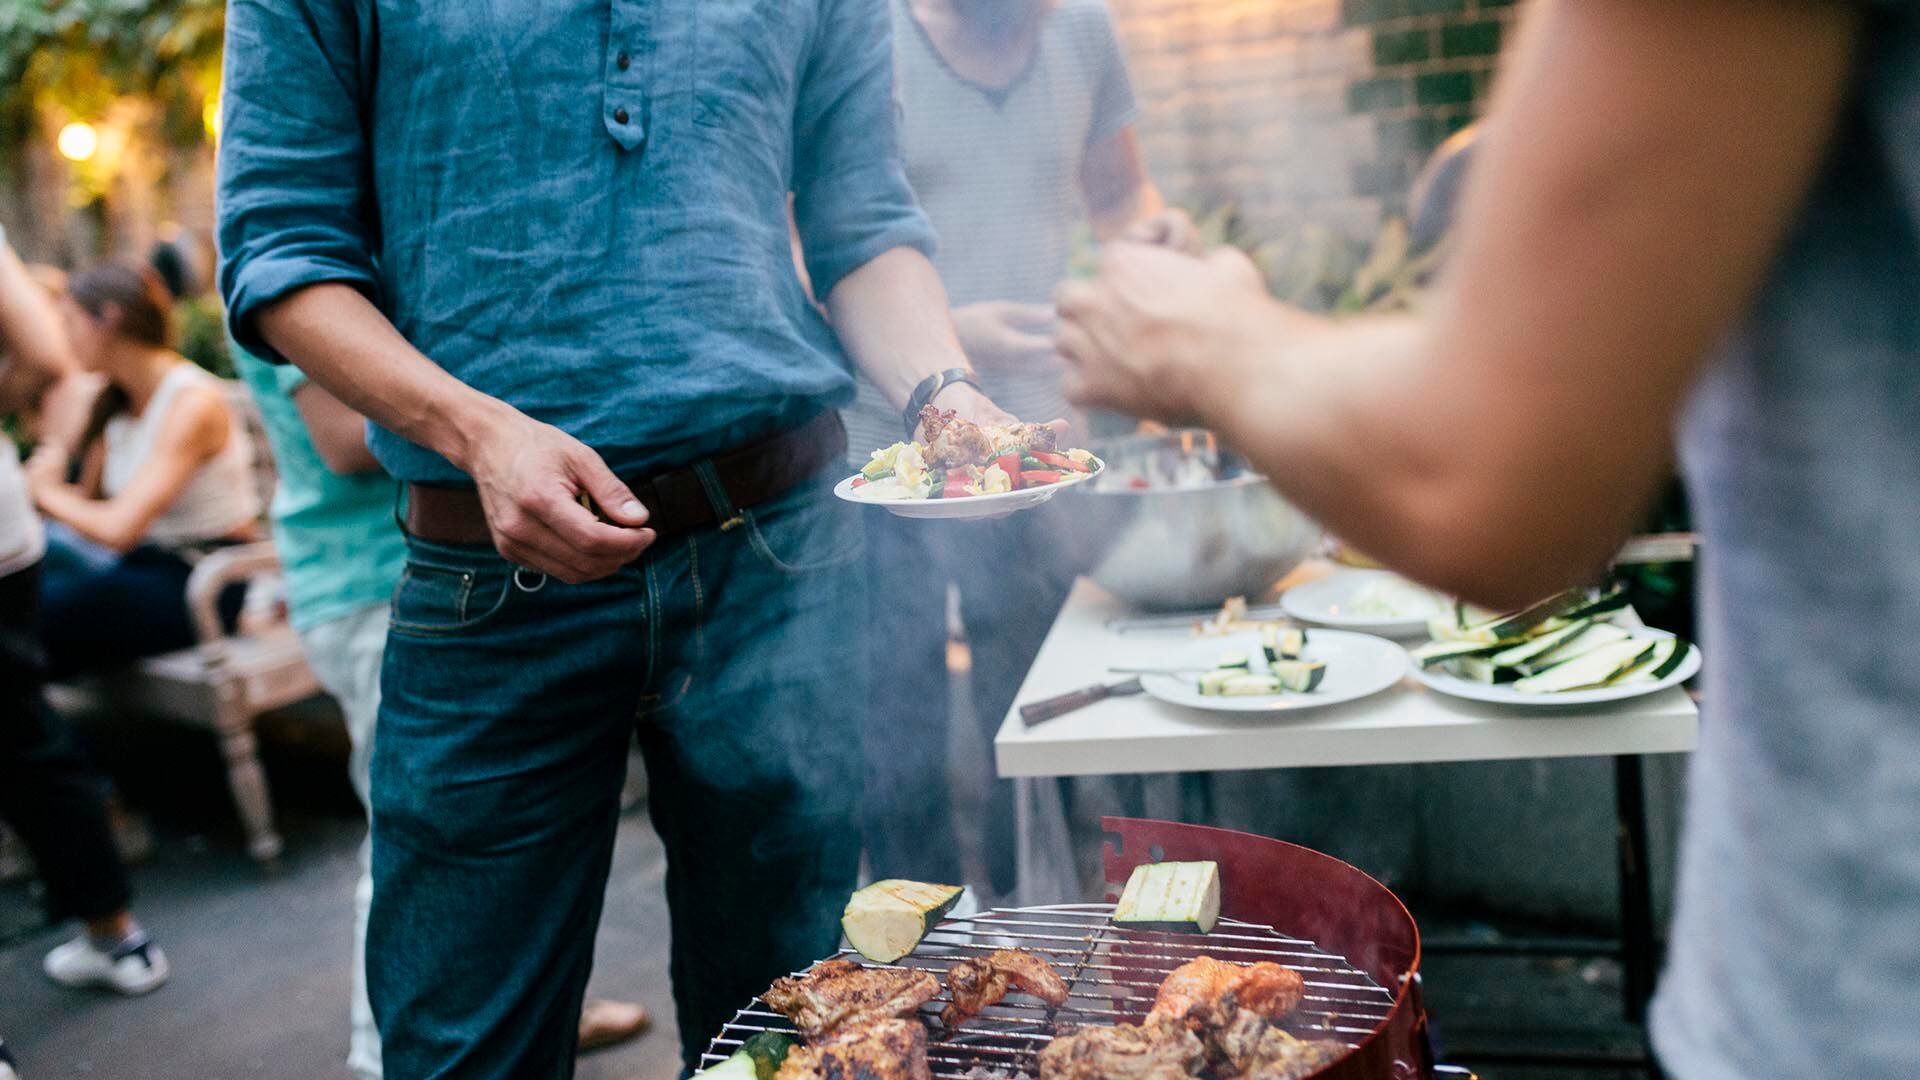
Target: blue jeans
(507, 706)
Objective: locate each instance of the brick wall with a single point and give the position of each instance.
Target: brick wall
(1302, 111)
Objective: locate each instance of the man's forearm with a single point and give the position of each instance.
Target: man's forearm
(1362, 426)
(347, 346)
(892, 318)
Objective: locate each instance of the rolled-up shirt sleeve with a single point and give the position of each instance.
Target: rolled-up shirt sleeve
(852, 202)
(295, 204)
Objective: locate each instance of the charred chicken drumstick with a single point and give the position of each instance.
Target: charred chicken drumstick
(984, 980)
(841, 994)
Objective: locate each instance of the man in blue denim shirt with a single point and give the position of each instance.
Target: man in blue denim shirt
(545, 249)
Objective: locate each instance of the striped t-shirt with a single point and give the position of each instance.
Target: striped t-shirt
(998, 173)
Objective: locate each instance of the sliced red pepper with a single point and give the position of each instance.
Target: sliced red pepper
(956, 486)
(1010, 464)
(1059, 461)
(1040, 477)
(859, 481)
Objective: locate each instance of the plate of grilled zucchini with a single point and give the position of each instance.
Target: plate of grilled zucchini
(1582, 647)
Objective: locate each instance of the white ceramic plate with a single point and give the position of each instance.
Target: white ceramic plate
(971, 506)
(1340, 600)
(1358, 666)
(1454, 686)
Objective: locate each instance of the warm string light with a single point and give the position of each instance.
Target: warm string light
(78, 141)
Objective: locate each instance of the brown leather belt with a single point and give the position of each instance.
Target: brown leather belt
(676, 500)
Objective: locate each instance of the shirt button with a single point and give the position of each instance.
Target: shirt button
(623, 61)
(619, 116)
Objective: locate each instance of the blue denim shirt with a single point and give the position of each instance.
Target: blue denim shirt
(576, 206)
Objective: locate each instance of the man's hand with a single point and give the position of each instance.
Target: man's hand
(531, 477)
(1145, 336)
(1000, 335)
(1171, 228)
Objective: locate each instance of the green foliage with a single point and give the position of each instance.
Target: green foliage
(203, 334)
(80, 56)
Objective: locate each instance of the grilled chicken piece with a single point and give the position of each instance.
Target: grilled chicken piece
(952, 441)
(982, 981)
(1279, 1056)
(1026, 436)
(1157, 1050)
(876, 1050)
(840, 994)
(1267, 989)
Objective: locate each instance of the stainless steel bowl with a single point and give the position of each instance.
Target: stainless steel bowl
(1220, 533)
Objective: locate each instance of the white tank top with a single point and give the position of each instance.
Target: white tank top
(21, 539)
(219, 498)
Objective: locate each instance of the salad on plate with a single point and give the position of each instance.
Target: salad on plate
(960, 459)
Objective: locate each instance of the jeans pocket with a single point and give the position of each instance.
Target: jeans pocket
(435, 598)
(805, 531)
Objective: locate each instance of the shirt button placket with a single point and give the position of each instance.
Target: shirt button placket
(625, 90)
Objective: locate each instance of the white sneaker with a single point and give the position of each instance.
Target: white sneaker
(132, 971)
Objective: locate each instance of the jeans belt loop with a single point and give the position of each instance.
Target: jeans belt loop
(730, 518)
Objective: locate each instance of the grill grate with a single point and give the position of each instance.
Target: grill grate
(1112, 975)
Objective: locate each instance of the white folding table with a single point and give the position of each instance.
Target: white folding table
(1405, 724)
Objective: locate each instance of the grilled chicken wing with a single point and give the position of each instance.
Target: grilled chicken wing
(1160, 1049)
(982, 981)
(842, 994)
(1267, 989)
(890, 1049)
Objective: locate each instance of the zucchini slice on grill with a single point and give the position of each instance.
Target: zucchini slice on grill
(738, 1067)
(1178, 897)
(886, 920)
(768, 1051)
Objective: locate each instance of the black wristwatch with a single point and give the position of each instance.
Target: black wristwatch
(929, 386)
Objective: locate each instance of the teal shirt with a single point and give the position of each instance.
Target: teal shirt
(339, 546)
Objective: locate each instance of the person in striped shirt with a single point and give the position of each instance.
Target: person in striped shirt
(1016, 126)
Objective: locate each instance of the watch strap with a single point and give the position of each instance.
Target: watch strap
(924, 393)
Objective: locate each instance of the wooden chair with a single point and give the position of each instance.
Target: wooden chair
(225, 682)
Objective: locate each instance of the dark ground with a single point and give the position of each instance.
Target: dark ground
(260, 963)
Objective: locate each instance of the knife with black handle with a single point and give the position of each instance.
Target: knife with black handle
(1039, 712)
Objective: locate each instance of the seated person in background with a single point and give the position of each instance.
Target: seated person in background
(47, 794)
(165, 475)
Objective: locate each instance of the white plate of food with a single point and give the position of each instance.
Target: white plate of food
(1370, 601)
(1274, 670)
(1580, 648)
(964, 470)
